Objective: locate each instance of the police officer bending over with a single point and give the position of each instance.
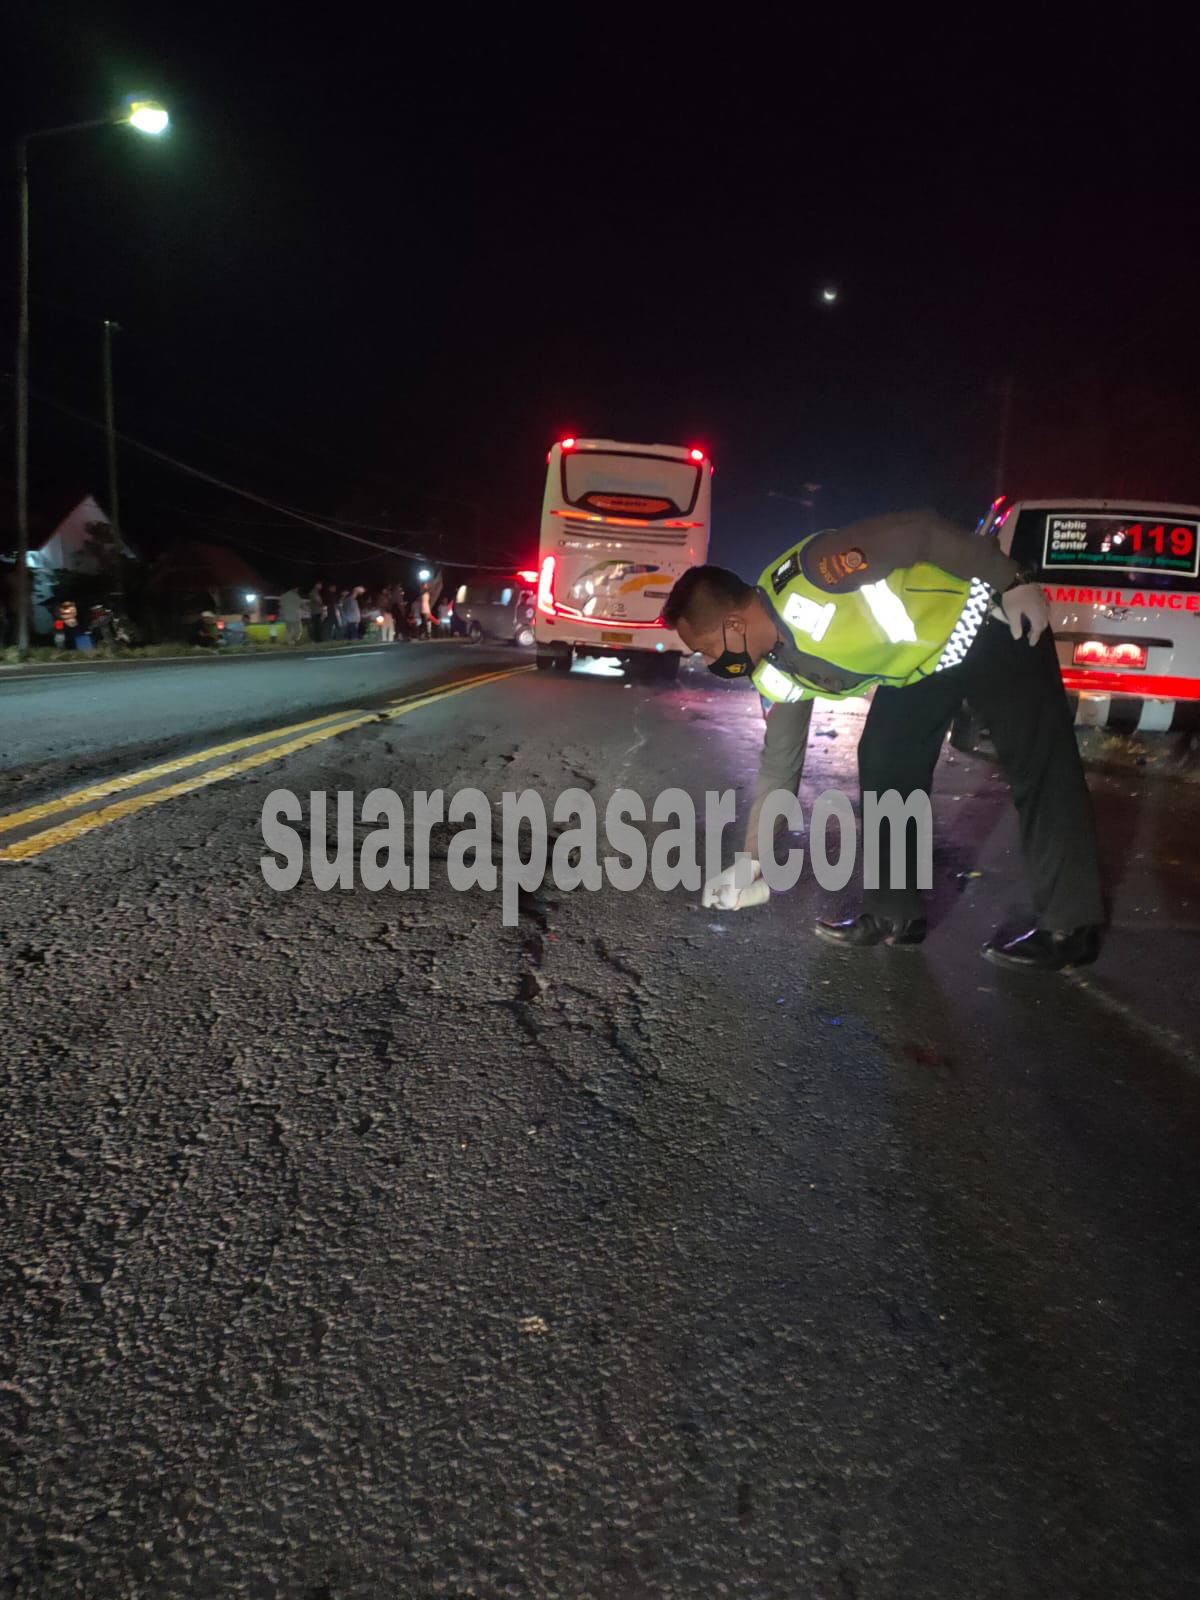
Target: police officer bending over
(930, 617)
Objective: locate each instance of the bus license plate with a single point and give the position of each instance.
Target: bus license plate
(616, 638)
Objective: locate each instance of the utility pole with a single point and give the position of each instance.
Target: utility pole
(1006, 400)
(114, 516)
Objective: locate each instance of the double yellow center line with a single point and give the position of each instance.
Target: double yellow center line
(304, 735)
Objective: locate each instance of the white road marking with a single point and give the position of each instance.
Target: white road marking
(21, 669)
(1165, 1038)
(53, 672)
(351, 655)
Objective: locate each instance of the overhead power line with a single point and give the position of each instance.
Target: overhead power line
(232, 488)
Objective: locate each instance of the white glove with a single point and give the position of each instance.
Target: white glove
(1027, 600)
(723, 893)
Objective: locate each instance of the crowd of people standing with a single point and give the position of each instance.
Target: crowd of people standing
(330, 612)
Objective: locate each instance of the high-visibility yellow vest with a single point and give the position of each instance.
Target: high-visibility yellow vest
(894, 630)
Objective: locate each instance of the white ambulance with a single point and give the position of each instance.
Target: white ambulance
(1122, 581)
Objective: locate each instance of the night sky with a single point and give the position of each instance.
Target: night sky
(372, 271)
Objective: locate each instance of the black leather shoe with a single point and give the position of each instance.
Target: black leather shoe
(863, 930)
(1042, 950)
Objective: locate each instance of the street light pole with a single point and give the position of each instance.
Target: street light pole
(21, 596)
(147, 116)
(114, 516)
(21, 586)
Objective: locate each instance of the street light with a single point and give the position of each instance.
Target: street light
(147, 116)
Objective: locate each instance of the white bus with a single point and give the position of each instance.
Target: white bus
(620, 522)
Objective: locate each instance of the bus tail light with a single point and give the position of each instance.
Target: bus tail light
(1096, 653)
(545, 594)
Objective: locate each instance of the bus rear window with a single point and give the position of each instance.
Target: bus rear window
(1149, 549)
(629, 485)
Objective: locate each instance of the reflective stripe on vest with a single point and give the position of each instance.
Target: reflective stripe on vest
(895, 630)
(776, 685)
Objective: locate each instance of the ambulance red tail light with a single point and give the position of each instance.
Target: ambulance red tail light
(528, 577)
(545, 594)
(1121, 656)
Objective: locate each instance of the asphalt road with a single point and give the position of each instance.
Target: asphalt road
(354, 1244)
(56, 720)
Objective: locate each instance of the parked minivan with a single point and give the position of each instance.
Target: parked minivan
(497, 606)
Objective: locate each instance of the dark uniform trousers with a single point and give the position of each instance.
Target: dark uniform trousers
(1018, 694)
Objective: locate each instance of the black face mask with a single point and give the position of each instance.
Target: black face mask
(731, 663)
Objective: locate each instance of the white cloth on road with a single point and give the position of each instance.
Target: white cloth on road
(724, 892)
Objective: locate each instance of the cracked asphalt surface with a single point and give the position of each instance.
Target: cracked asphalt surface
(355, 1245)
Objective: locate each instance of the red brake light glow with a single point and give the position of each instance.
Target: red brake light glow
(568, 444)
(1119, 656)
(1142, 686)
(545, 594)
(528, 577)
(696, 455)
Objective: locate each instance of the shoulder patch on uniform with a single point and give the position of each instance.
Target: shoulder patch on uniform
(839, 565)
(785, 572)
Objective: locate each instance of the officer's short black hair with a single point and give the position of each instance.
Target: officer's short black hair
(704, 595)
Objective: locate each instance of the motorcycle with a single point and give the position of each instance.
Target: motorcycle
(108, 627)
